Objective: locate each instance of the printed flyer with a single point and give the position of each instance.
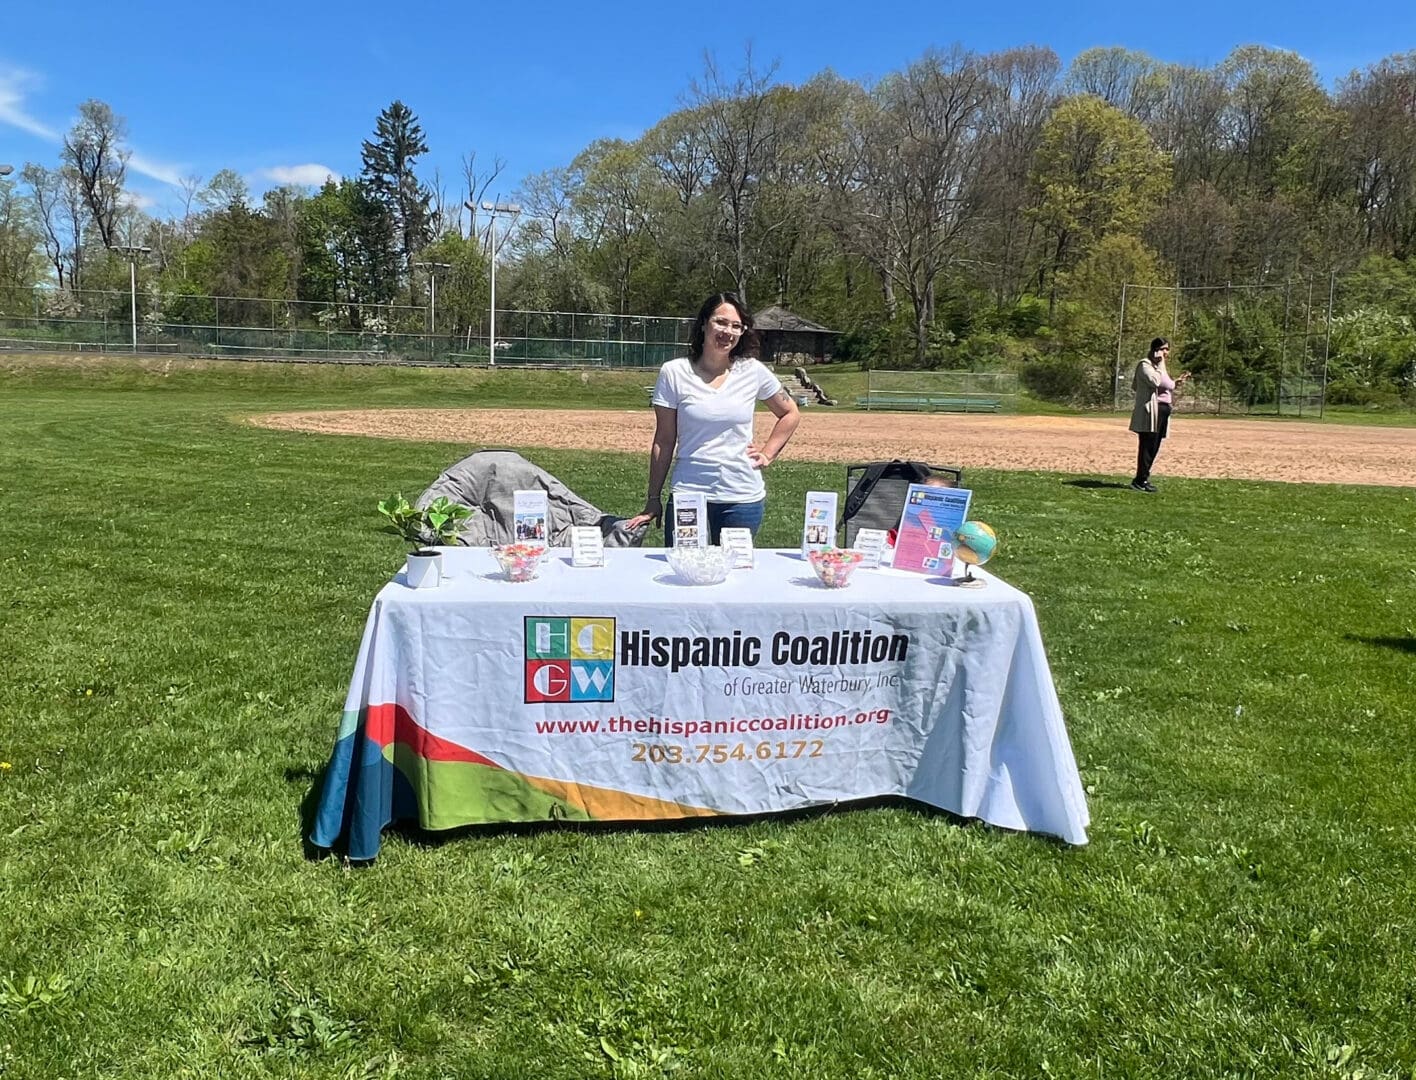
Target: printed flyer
(738, 543)
(587, 546)
(690, 523)
(924, 542)
(818, 528)
(530, 512)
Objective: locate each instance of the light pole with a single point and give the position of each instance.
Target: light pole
(432, 268)
(133, 251)
(493, 209)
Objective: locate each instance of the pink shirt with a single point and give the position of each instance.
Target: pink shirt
(1165, 386)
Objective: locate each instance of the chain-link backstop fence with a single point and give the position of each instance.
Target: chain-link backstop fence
(62, 319)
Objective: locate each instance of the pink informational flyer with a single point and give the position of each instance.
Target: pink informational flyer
(924, 542)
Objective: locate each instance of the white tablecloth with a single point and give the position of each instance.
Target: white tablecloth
(623, 693)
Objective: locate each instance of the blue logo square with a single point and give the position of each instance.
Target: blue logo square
(592, 680)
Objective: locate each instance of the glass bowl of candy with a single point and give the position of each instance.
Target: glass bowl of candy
(834, 566)
(520, 562)
(699, 565)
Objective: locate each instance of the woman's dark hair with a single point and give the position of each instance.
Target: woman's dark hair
(747, 344)
(1156, 345)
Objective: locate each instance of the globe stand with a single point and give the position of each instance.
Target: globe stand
(968, 581)
(974, 545)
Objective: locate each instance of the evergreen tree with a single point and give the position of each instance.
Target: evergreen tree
(389, 181)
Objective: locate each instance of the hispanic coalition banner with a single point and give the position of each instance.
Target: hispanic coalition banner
(626, 698)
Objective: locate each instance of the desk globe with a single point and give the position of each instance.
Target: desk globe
(974, 545)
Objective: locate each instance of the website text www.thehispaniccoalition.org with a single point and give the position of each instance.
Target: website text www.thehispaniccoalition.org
(733, 725)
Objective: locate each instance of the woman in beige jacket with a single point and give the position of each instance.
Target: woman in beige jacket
(1150, 419)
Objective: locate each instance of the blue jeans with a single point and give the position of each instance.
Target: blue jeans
(720, 516)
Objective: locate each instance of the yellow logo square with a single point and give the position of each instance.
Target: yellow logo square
(592, 639)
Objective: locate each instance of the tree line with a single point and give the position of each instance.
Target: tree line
(967, 210)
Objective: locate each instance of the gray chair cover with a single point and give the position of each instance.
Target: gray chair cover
(485, 481)
(875, 492)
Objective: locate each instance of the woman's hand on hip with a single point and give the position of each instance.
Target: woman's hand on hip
(759, 457)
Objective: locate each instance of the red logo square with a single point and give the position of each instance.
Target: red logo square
(547, 680)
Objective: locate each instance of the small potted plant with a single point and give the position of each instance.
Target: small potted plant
(421, 528)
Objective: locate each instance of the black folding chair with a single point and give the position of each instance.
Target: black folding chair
(875, 492)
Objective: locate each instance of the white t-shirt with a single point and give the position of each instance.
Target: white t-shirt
(715, 427)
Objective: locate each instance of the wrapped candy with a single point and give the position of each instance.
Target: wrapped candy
(834, 566)
(521, 562)
(699, 566)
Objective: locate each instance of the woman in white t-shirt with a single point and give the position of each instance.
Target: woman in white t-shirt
(703, 406)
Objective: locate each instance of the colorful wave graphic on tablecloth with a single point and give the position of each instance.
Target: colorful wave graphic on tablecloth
(386, 766)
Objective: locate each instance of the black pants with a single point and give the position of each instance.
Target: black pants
(1149, 443)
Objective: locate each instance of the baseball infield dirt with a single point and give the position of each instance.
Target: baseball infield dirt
(1290, 451)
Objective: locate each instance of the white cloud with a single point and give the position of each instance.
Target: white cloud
(311, 175)
(13, 85)
(138, 201)
(157, 170)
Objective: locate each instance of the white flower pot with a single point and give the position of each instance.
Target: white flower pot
(424, 570)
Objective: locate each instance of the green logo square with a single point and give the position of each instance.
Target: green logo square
(547, 638)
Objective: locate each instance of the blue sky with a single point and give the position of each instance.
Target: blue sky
(288, 90)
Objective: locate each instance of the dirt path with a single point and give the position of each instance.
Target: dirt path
(1230, 449)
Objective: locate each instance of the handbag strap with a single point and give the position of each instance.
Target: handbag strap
(916, 471)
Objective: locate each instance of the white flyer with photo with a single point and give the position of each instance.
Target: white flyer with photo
(819, 525)
(690, 524)
(530, 517)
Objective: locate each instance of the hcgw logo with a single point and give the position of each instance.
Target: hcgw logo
(569, 659)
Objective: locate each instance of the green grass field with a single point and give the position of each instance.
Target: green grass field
(344, 385)
(181, 597)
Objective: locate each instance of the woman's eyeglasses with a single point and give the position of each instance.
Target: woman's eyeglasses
(727, 326)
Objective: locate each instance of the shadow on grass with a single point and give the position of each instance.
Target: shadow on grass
(309, 807)
(1093, 484)
(410, 834)
(1400, 644)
